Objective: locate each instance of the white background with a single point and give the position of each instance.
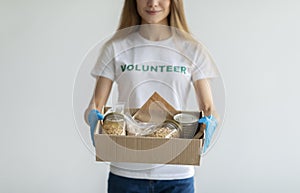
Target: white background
(255, 43)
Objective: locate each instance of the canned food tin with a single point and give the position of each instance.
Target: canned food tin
(189, 124)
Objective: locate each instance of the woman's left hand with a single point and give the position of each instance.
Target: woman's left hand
(211, 124)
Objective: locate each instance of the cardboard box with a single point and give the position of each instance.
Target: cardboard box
(112, 148)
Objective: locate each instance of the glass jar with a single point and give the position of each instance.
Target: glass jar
(114, 124)
(168, 129)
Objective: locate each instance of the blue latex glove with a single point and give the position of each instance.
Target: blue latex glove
(211, 124)
(93, 118)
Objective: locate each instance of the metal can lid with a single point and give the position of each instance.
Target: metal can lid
(185, 118)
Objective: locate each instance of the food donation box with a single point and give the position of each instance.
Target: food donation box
(159, 135)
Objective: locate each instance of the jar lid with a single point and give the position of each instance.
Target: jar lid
(113, 115)
(173, 122)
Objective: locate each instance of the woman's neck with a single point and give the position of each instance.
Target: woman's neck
(155, 32)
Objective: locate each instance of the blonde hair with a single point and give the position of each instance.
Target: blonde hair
(176, 18)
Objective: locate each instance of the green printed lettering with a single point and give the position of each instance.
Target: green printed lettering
(183, 69)
(130, 67)
(162, 68)
(169, 68)
(137, 68)
(143, 67)
(123, 67)
(154, 68)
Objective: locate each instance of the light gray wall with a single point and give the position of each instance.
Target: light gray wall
(255, 44)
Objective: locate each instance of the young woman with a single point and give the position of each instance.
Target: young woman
(152, 52)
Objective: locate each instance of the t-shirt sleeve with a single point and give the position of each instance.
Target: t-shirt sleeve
(204, 66)
(105, 63)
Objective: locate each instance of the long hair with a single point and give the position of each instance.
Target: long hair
(130, 16)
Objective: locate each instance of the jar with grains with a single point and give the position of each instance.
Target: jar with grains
(114, 124)
(168, 129)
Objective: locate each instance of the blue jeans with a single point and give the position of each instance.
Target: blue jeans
(119, 184)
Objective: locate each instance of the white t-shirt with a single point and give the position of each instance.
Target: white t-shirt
(141, 67)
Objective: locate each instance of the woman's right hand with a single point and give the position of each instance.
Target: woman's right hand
(93, 117)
